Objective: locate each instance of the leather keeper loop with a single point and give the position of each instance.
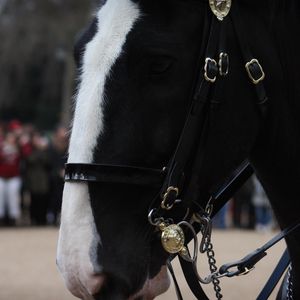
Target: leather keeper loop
(169, 198)
(223, 64)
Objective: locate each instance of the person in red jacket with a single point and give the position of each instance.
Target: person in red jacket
(10, 180)
(2, 133)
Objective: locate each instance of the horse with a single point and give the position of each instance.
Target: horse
(139, 64)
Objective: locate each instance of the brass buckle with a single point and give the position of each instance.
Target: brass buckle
(169, 190)
(252, 62)
(223, 57)
(207, 61)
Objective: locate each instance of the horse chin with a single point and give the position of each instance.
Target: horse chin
(154, 287)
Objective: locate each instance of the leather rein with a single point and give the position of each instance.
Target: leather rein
(171, 179)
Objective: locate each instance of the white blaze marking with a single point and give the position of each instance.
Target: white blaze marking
(78, 238)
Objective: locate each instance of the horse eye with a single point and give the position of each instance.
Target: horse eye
(160, 66)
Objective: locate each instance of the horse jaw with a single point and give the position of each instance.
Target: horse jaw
(155, 286)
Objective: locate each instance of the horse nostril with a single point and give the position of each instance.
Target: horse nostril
(95, 283)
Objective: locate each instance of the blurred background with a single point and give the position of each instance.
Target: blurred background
(37, 83)
(36, 88)
(36, 58)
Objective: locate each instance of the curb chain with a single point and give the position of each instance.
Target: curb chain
(213, 267)
(290, 284)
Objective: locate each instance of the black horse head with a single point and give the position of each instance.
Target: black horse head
(140, 62)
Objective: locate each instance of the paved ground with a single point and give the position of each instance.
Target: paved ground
(28, 271)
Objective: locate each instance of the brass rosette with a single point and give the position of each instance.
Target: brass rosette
(172, 238)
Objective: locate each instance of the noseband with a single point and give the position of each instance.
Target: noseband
(172, 180)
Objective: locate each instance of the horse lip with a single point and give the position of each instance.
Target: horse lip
(95, 284)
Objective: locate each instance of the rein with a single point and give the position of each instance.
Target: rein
(172, 179)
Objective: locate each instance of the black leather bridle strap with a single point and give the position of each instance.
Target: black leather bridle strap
(218, 200)
(187, 140)
(190, 133)
(245, 265)
(177, 288)
(275, 277)
(192, 280)
(253, 67)
(249, 261)
(231, 185)
(114, 174)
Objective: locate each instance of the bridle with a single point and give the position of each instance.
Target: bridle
(173, 179)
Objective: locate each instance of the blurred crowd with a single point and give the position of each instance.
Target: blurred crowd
(249, 209)
(31, 182)
(31, 174)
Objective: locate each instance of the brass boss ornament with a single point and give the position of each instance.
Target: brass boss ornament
(220, 8)
(172, 238)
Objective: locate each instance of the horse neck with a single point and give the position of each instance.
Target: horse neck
(277, 164)
(276, 161)
(276, 153)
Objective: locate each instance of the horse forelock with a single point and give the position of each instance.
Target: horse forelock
(78, 240)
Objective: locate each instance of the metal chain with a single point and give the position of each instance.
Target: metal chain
(213, 267)
(206, 246)
(290, 284)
